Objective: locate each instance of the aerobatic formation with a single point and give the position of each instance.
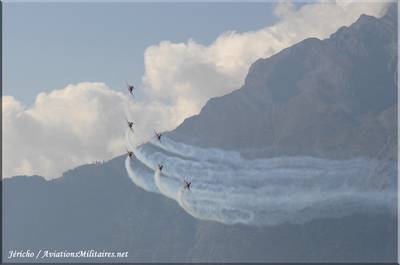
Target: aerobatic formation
(230, 189)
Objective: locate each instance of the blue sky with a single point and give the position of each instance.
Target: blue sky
(48, 45)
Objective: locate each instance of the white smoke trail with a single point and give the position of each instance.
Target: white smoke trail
(135, 177)
(213, 212)
(162, 187)
(202, 154)
(230, 189)
(183, 204)
(289, 169)
(177, 193)
(139, 180)
(139, 176)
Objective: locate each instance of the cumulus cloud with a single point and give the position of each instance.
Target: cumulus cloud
(85, 122)
(62, 129)
(74, 125)
(65, 128)
(188, 74)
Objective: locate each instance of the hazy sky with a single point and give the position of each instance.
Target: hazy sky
(47, 45)
(64, 97)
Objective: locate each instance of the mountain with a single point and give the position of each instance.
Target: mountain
(334, 98)
(327, 98)
(98, 207)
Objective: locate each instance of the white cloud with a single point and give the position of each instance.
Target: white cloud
(85, 122)
(75, 125)
(65, 128)
(188, 74)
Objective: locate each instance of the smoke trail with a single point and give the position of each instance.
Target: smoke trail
(162, 187)
(197, 153)
(233, 159)
(178, 196)
(204, 212)
(211, 212)
(135, 176)
(230, 189)
(289, 170)
(183, 204)
(139, 176)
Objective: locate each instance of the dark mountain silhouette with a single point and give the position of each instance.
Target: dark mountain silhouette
(329, 98)
(98, 207)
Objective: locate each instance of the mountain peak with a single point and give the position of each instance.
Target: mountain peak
(391, 12)
(318, 97)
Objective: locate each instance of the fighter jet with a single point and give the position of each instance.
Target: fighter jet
(158, 135)
(130, 88)
(130, 124)
(186, 185)
(129, 153)
(160, 167)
